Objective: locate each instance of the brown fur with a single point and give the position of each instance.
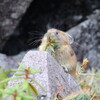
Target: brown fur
(64, 53)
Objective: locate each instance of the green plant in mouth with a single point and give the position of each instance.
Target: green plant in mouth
(25, 89)
(51, 44)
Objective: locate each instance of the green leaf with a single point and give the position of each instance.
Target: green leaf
(27, 97)
(9, 92)
(19, 74)
(18, 98)
(21, 65)
(52, 49)
(39, 85)
(14, 70)
(34, 90)
(3, 74)
(79, 97)
(25, 84)
(55, 41)
(8, 79)
(3, 81)
(46, 47)
(34, 71)
(52, 44)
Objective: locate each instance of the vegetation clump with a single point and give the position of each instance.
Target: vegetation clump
(25, 90)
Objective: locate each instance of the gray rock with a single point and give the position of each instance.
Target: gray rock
(95, 15)
(11, 12)
(7, 62)
(52, 75)
(87, 40)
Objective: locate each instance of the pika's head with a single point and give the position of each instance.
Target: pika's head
(61, 37)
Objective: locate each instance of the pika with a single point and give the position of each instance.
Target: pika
(64, 53)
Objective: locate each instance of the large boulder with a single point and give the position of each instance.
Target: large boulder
(87, 39)
(52, 75)
(11, 12)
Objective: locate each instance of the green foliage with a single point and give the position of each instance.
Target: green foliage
(3, 76)
(24, 90)
(81, 96)
(90, 83)
(51, 44)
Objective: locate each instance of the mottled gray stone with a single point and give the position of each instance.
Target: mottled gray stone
(87, 39)
(11, 12)
(52, 75)
(7, 62)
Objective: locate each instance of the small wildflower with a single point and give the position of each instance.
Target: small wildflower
(84, 63)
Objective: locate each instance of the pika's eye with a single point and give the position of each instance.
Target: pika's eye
(56, 33)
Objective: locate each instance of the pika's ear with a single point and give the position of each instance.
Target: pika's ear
(70, 39)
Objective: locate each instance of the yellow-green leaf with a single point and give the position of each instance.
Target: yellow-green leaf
(34, 90)
(52, 49)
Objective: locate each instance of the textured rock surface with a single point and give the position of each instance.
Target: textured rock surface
(7, 62)
(52, 75)
(11, 12)
(87, 40)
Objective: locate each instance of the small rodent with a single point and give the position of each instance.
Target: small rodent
(64, 53)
